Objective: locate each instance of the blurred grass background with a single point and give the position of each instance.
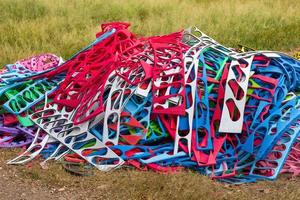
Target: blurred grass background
(64, 26)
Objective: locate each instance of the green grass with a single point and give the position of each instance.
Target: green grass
(64, 26)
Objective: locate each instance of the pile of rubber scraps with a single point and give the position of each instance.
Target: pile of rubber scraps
(162, 103)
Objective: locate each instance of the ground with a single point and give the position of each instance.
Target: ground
(64, 26)
(32, 182)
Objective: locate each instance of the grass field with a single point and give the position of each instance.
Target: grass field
(62, 27)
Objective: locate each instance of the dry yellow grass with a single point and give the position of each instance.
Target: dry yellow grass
(55, 182)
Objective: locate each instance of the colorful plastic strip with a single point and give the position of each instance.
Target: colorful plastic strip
(159, 103)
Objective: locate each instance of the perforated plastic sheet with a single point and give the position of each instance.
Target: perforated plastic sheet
(159, 103)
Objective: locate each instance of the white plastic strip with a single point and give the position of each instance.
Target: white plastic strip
(35, 147)
(227, 124)
(191, 62)
(60, 126)
(114, 106)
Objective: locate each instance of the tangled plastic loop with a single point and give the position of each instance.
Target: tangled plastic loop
(162, 103)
